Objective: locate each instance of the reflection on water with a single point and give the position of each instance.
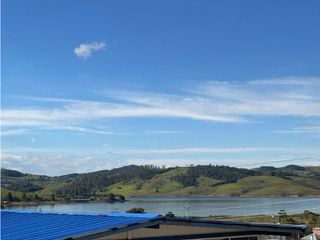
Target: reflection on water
(199, 206)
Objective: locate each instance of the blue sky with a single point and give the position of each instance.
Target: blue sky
(89, 85)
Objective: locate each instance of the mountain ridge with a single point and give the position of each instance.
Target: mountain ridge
(204, 180)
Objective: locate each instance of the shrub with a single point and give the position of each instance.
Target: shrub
(170, 214)
(136, 210)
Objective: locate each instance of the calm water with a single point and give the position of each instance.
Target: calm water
(195, 206)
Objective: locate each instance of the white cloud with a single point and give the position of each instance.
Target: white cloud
(200, 150)
(56, 164)
(53, 164)
(229, 102)
(313, 129)
(246, 99)
(85, 50)
(82, 130)
(13, 132)
(73, 112)
(163, 132)
(289, 81)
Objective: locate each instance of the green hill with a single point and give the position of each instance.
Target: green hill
(134, 180)
(247, 186)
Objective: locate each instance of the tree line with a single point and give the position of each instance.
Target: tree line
(224, 173)
(9, 197)
(229, 174)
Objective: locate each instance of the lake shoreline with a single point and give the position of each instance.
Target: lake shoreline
(39, 203)
(223, 196)
(141, 198)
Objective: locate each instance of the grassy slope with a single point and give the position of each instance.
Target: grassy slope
(265, 185)
(50, 188)
(248, 186)
(160, 181)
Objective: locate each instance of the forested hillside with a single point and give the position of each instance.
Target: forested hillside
(89, 184)
(211, 180)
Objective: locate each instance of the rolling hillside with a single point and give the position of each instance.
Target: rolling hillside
(247, 186)
(153, 181)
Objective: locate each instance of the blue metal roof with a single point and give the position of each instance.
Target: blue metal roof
(36, 225)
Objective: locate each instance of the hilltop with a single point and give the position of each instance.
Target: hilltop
(209, 180)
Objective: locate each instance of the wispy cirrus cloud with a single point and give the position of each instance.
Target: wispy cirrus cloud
(216, 101)
(210, 101)
(85, 50)
(312, 129)
(82, 130)
(237, 101)
(163, 132)
(248, 99)
(72, 112)
(301, 81)
(13, 132)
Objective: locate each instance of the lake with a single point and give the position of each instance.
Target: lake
(193, 206)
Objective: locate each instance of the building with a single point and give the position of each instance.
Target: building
(35, 225)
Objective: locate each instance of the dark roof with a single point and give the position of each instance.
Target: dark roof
(227, 224)
(35, 225)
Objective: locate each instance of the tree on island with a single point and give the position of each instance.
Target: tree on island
(170, 215)
(9, 197)
(120, 197)
(110, 197)
(136, 210)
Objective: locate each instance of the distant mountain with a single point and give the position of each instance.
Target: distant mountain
(209, 180)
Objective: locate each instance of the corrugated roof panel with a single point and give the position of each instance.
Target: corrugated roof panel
(32, 225)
